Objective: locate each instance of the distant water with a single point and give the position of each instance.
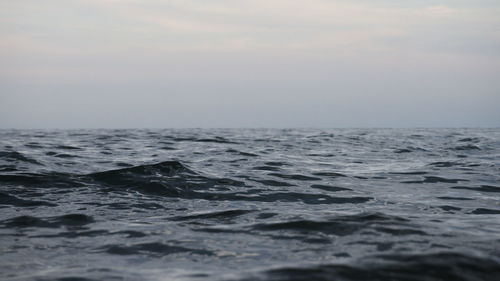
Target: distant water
(343, 204)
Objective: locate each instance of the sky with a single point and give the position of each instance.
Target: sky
(249, 63)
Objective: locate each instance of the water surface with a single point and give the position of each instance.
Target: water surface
(340, 204)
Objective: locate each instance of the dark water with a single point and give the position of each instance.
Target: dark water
(250, 204)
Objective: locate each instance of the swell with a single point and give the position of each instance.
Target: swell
(155, 249)
(7, 199)
(53, 222)
(169, 178)
(175, 180)
(308, 230)
(42, 180)
(166, 178)
(409, 267)
(17, 157)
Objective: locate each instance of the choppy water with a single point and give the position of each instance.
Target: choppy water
(250, 204)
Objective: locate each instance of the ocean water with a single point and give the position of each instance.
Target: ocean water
(339, 204)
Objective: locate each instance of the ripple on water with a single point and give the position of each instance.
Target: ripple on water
(193, 204)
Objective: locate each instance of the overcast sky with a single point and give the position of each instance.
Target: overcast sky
(249, 63)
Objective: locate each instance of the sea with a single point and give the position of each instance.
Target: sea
(250, 204)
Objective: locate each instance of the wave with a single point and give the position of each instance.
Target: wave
(169, 178)
(69, 220)
(218, 215)
(17, 156)
(6, 199)
(466, 147)
(42, 180)
(220, 140)
(329, 187)
(433, 179)
(154, 249)
(483, 188)
(329, 174)
(310, 231)
(409, 267)
(343, 225)
(175, 180)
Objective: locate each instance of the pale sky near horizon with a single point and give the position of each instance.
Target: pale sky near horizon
(249, 63)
